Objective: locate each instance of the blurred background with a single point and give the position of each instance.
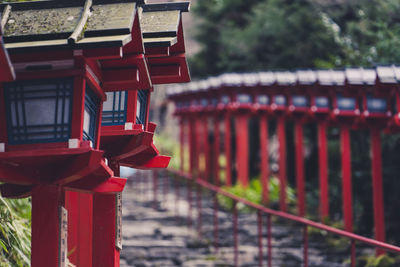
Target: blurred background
(258, 35)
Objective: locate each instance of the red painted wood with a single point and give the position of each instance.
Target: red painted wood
(103, 53)
(300, 183)
(192, 147)
(172, 69)
(242, 152)
(206, 147)
(117, 76)
(32, 75)
(323, 171)
(71, 204)
(78, 108)
(346, 178)
(105, 252)
(7, 73)
(282, 163)
(199, 148)
(264, 155)
(3, 122)
(46, 201)
(216, 151)
(377, 187)
(182, 143)
(228, 150)
(85, 229)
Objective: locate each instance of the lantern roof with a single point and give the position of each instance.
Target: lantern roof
(388, 74)
(160, 23)
(285, 78)
(250, 79)
(214, 82)
(67, 24)
(306, 77)
(331, 77)
(360, 76)
(267, 78)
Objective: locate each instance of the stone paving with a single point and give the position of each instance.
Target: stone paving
(157, 233)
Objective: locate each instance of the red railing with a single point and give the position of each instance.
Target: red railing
(261, 210)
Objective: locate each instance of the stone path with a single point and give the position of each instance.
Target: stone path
(156, 233)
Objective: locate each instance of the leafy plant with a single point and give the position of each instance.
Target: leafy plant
(15, 232)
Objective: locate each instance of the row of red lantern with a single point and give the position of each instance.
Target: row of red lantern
(80, 100)
(341, 103)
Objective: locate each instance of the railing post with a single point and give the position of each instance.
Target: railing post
(259, 235)
(347, 201)
(182, 143)
(189, 196)
(228, 150)
(353, 253)
(305, 248)
(193, 153)
(235, 235)
(206, 147)
(269, 240)
(216, 230)
(155, 189)
(264, 158)
(216, 150)
(323, 171)
(242, 149)
(282, 163)
(301, 206)
(199, 210)
(377, 187)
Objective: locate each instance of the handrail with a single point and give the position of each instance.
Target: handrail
(304, 221)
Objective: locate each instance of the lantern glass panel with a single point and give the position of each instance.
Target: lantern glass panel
(90, 117)
(141, 106)
(244, 98)
(280, 100)
(376, 105)
(38, 111)
(204, 102)
(300, 101)
(263, 99)
(114, 109)
(322, 102)
(346, 103)
(225, 99)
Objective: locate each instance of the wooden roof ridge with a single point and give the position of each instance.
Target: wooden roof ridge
(179, 6)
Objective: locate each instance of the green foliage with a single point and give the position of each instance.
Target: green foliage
(273, 34)
(253, 193)
(380, 261)
(15, 232)
(168, 147)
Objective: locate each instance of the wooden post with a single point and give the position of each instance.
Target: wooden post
(323, 172)
(301, 205)
(377, 187)
(206, 148)
(346, 178)
(282, 163)
(242, 152)
(80, 232)
(216, 150)
(228, 150)
(264, 158)
(192, 147)
(48, 248)
(106, 227)
(182, 143)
